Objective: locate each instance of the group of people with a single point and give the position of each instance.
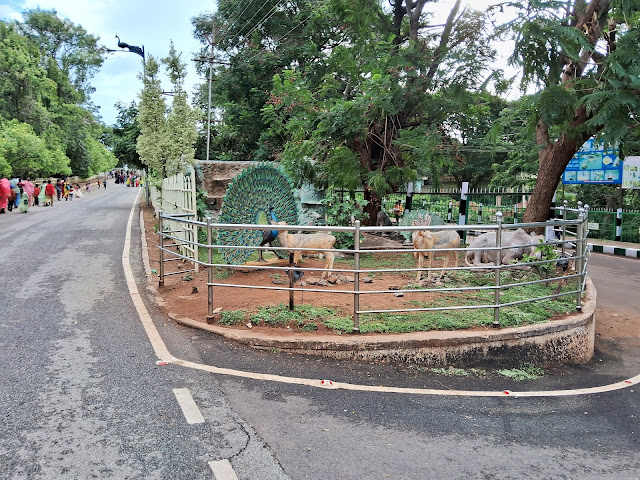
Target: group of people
(129, 179)
(23, 194)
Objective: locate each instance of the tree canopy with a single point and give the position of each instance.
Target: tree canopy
(47, 126)
(167, 136)
(353, 94)
(583, 58)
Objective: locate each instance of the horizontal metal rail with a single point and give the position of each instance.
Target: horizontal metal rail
(576, 229)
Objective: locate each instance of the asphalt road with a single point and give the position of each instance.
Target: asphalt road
(82, 397)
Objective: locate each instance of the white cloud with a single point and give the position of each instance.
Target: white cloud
(9, 13)
(148, 23)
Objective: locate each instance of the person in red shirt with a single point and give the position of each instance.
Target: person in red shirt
(36, 192)
(49, 192)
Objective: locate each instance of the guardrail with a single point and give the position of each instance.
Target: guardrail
(569, 241)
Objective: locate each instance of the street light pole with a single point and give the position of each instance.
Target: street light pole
(138, 51)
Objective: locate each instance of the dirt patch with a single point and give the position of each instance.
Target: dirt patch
(186, 294)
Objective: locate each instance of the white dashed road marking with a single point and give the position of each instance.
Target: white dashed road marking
(188, 405)
(222, 470)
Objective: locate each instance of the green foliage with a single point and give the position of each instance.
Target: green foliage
(48, 127)
(124, 136)
(545, 252)
(166, 140)
(75, 51)
(231, 317)
(339, 211)
(24, 154)
(181, 121)
(303, 317)
(151, 144)
(514, 133)
(525, 372)
(583, 58)
(343, 93)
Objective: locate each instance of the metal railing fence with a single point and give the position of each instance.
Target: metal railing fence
(571, 235)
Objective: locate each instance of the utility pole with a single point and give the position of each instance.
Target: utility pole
(210, 60)
(213, 38)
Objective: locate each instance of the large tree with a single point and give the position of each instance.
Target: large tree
(251, 45)
(75, 51)
(37, 92)
(584, 57)
(386, 107)
(167, 137)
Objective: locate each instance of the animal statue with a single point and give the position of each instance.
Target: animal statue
(319, 242)
(383, 219)
(441, 240)
(268, 236)
(248, 200)
(479, 252)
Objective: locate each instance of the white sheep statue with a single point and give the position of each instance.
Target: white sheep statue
(442, 240)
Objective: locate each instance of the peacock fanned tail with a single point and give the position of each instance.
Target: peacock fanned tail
(247, 201)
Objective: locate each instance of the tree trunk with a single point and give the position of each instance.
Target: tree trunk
(373, 207)
(553, 159)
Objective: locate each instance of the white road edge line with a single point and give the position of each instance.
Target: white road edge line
(188, 405)
(223, 470)
(165, 357)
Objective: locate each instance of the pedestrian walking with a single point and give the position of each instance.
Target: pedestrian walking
(36, 194)
(49, 192)
(11, 198)
(23, 206)
(5, 189)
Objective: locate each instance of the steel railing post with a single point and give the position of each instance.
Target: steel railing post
(564, 227)
(580, 252)
(356, 278)
(161, 249)
(209, 273)
(291, 282)
(496, 292)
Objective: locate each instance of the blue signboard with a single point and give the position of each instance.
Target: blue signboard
(594, 163)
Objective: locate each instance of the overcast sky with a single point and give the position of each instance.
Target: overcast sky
(152, 23)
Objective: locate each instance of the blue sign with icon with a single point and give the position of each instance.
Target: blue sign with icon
(594, 164)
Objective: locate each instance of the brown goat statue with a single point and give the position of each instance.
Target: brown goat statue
(319, 242)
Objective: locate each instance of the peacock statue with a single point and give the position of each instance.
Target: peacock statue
(258, 195)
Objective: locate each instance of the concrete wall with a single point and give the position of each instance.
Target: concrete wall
(214, 177)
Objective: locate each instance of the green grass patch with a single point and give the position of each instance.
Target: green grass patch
(303, 317)
(525, 372)
(231, 317)
(452, 371)
(375, 261)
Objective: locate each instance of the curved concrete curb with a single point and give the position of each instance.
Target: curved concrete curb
(613, 250)
(560, 341)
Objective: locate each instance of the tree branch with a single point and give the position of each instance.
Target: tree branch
(444, 40)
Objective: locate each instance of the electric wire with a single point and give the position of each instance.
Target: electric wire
(228, 29)
(282, 37)
(266, 17)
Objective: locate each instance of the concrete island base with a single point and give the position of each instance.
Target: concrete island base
(569, 340)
